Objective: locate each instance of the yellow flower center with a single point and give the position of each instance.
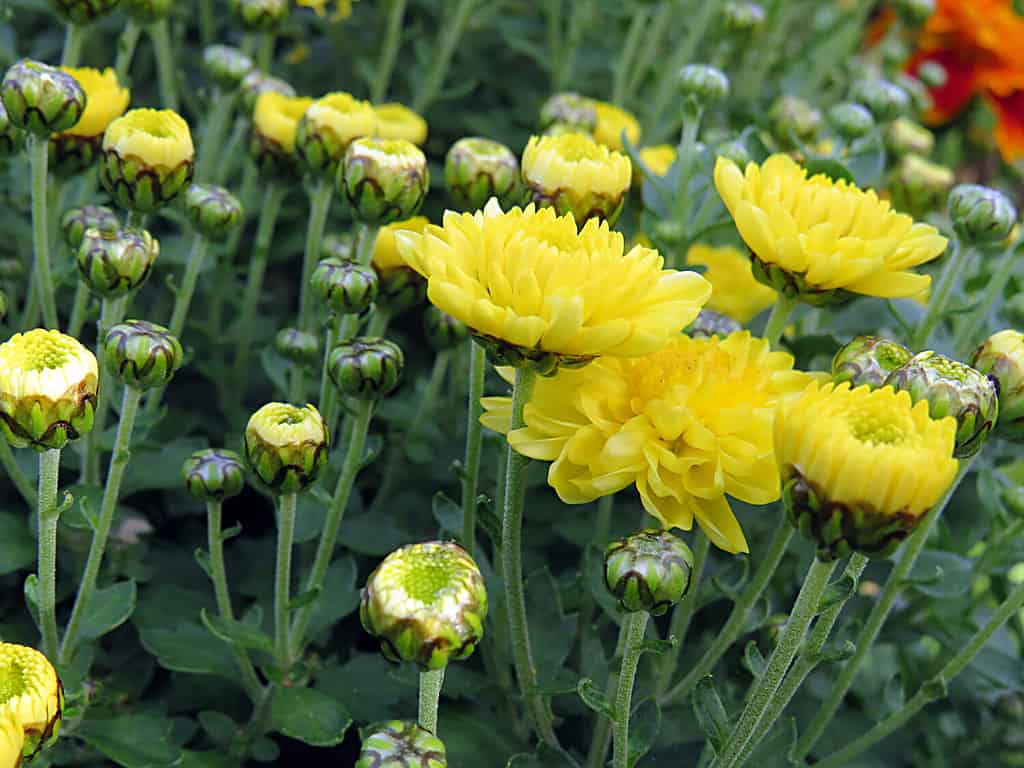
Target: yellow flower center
(39, 351)
(43, 363)
(875, 427)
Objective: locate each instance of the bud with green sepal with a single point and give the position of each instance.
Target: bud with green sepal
(257, 82)
(11, 137)
(648, 571)
(981, 215)
(905, 137)
(260, 15)
(213, 474)
(32, 697)
(41, 99)
(114, 262)
(338, 246)
(952, 389)
(477, 169)
(426, 603)
(851, 120)
(346, 288)
(569, 109)
(1001, 357)
(286, 446)
(442, 330)
(868, 361)
(385, 180)
(366, 368)
(919, 186)
(326, 129)
(143, 354)
(885, 99)
(793, 118)
(226, 65)
(81, 12)
(146, 12)
(401, 744)
(710, 323)
(213, 211)
(708, 84)
(76, 221)
(741, 18)
(301, 347)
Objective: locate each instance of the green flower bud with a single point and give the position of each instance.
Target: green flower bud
(905, 137)
(41, 99)
(918, 186)
(327, 128)
(301, 347)
(1001, 357)
(31, 704)
(213, 474)
(742, 17)
(260, 15)
(914, 11)
(792, 117)
(442, 330)
(951, 389)
(366, 368)
(115, 262)
(401, 744)
(707, 83)
(868, 360)
(981, 214)
(286, 446)
(385, 180)
(710, 323)
(146, 11)
(226, 66)
(648, 571)
(69, 155)
(477, 169)
(143, 354)
(426, 603)
(561, 129)
(257, 82)
(932, 74)
(81, 12)
(11, 137)
(920, 96)
(569, 109)
(885, 99)
(76, 221)
(851, 121)
(735, 151)
(213, 211)
(346, 288)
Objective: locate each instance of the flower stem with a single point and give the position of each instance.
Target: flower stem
(212, 139)
(652, 43)
(79, 307)
(126, 50)
(512, 563)
(955, 261)
(601, 739)
(111, 313)
(265, 53)
(474, 443)
(40, 231)
(451, 34)
(430, 393)
(72, 54)
(283, 574)
(631, 43)
(778, 318)
(636, 625)
(964, 340)
(804, 610)
(108, 506)
(166, 69)
(207, 23)
(430, 696)
(49, 468)
(388, 51)
(869, 632)
(21, 483)
(682, 614)
(319, 207)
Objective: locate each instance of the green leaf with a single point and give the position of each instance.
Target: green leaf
(109, 608)
(369, 688)
(340, 595)
(310, 716)
(208, 759)
(220, 728)
(132, 741)
(826, 166)
(753, 660)
(158, 468)
(448, 515)
(941, 575)
(552, 631)
(17, 544)
(658, 647)
(237, 633)
(594, 698)
(190, 648)
(265, 750)
(711, 714)
(304, 598)
(838, 592)
(838, 653)
(645, 725)
(544, 757)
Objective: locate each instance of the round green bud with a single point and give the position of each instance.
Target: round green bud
(226, 65)
(69, 155)
(340, 246)
(742, 17)
(710, 323)
(114, 262)
(905, 137)
(146, 11)
(648, 571)
(346, 288)
(213, 474)
(286, 446)
(734, 150)
(914, 11)
(301, 347)
(213, 211)
(366, 368)
(260, 15)
(400, 288)
(401, 744)
(885, 99)
(851, 121)
(143, 354)
(426, 603)
(569, 109)
(11, 137)
(868, 361)
(951, 389)
(81, 12)
(918, 186)
(477, 169)
(442, 330)
(932, 74)
(980, 214)
(257, 82)
(41, 99)
(385, 180)
(76, 221)
(792, 117)
(920, 96)
(709, 84)
(1001, 357)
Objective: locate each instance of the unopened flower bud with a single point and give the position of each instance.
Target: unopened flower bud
(48, 384)
(146, 12)
(426, 603)
(213, 474)
(920, 97)
(914, 11)
(144, 355)
(274, 124)
(885, 99)
(213, 211)
(76, 221)
(793, 117)
(980, 214)
(951, 389)
(569, 109)
(346, 288)
(41, 99)
(226, 65)
(613, 125)
(562, 129)
(932, 74)
(905, 137)
(11, 137)
(260, 15)
(648, 571)
(385, 180)
(74, 150)
(850, 120)
(442, 330)
(397, 121)
(477, 169)
(399, 287)
(401, 744)
(1001, 357)
(742, 17)
(81, 12)
(114, 262)
(32, 698)
(919, 186)
(286, 446)
(257, 82)
(301, 347)
(710, 323)
(339, 246)
(326, 129)
(708, 84)
(366, 368)
(734, 150)
(868, 360)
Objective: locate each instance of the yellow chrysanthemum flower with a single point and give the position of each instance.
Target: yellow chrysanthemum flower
(342, 116)
(687, 425)
(30, 695)
(734, 290)
(397, 121)
(385, 250)
(276, 116)
(823, 239)
(539, 291)
(861, 466)
(12, 740)
(160, 138)
(106, 99)
(658, 158)
(611, 122)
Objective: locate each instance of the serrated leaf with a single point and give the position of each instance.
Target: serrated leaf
(594, 698)
(132, 741)
(710, 713)
(109, 608)
(310, 716)
(237, 633)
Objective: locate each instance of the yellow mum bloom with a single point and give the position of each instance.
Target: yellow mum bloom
(158, 138)
(734, 290)
(861, 466)
(385, 250)
(31, 696)
(343, 117)
(276, 116)
(611, 122)
(658, 158)
(687, 425)
(397, 121)
(12, 740)
(537, 291)
(106, 99)
(822, 239)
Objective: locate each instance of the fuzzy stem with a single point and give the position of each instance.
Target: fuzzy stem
(781, 311)
(682, 614)
(72, 54)
(166, 69)
(474, 443)
(948, 278)
(212, 138)
(40, 231)
(636, 624)
(111, 313)
(126, 44)
(18, 478)
(79, 307)
(430, 696)
(48, 516)
(319, 208)
(388, 51)
(379, 321)
(283, 574)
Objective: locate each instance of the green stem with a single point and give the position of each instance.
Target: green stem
(430, 696)
(451, 33)
(760, 57)
(126, 50)
(652, 43)
(108, 507)
(40, 231)
(737, 617)
(931, 690)
(474, 443)
(319, 208)
(72, 54)
(48, 516)
(111, 313)
(638, 31)
(166, 70)
(804, 610)
(212, 138)
(207, 23)
(79, 307)
(682, 614)
(429, 398)
(21, 483)
(378, 324)
(228, 162)
(185, 292)
(388, 51)
(601, 740)
(955, 260)
(781, 311)
(598, 541)
(879, 613)
(265, 54)
(553, 28)
(327, 400)
(512, 563)
(578, 19)
(283, 574)
(964, 341)
(636, 624)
